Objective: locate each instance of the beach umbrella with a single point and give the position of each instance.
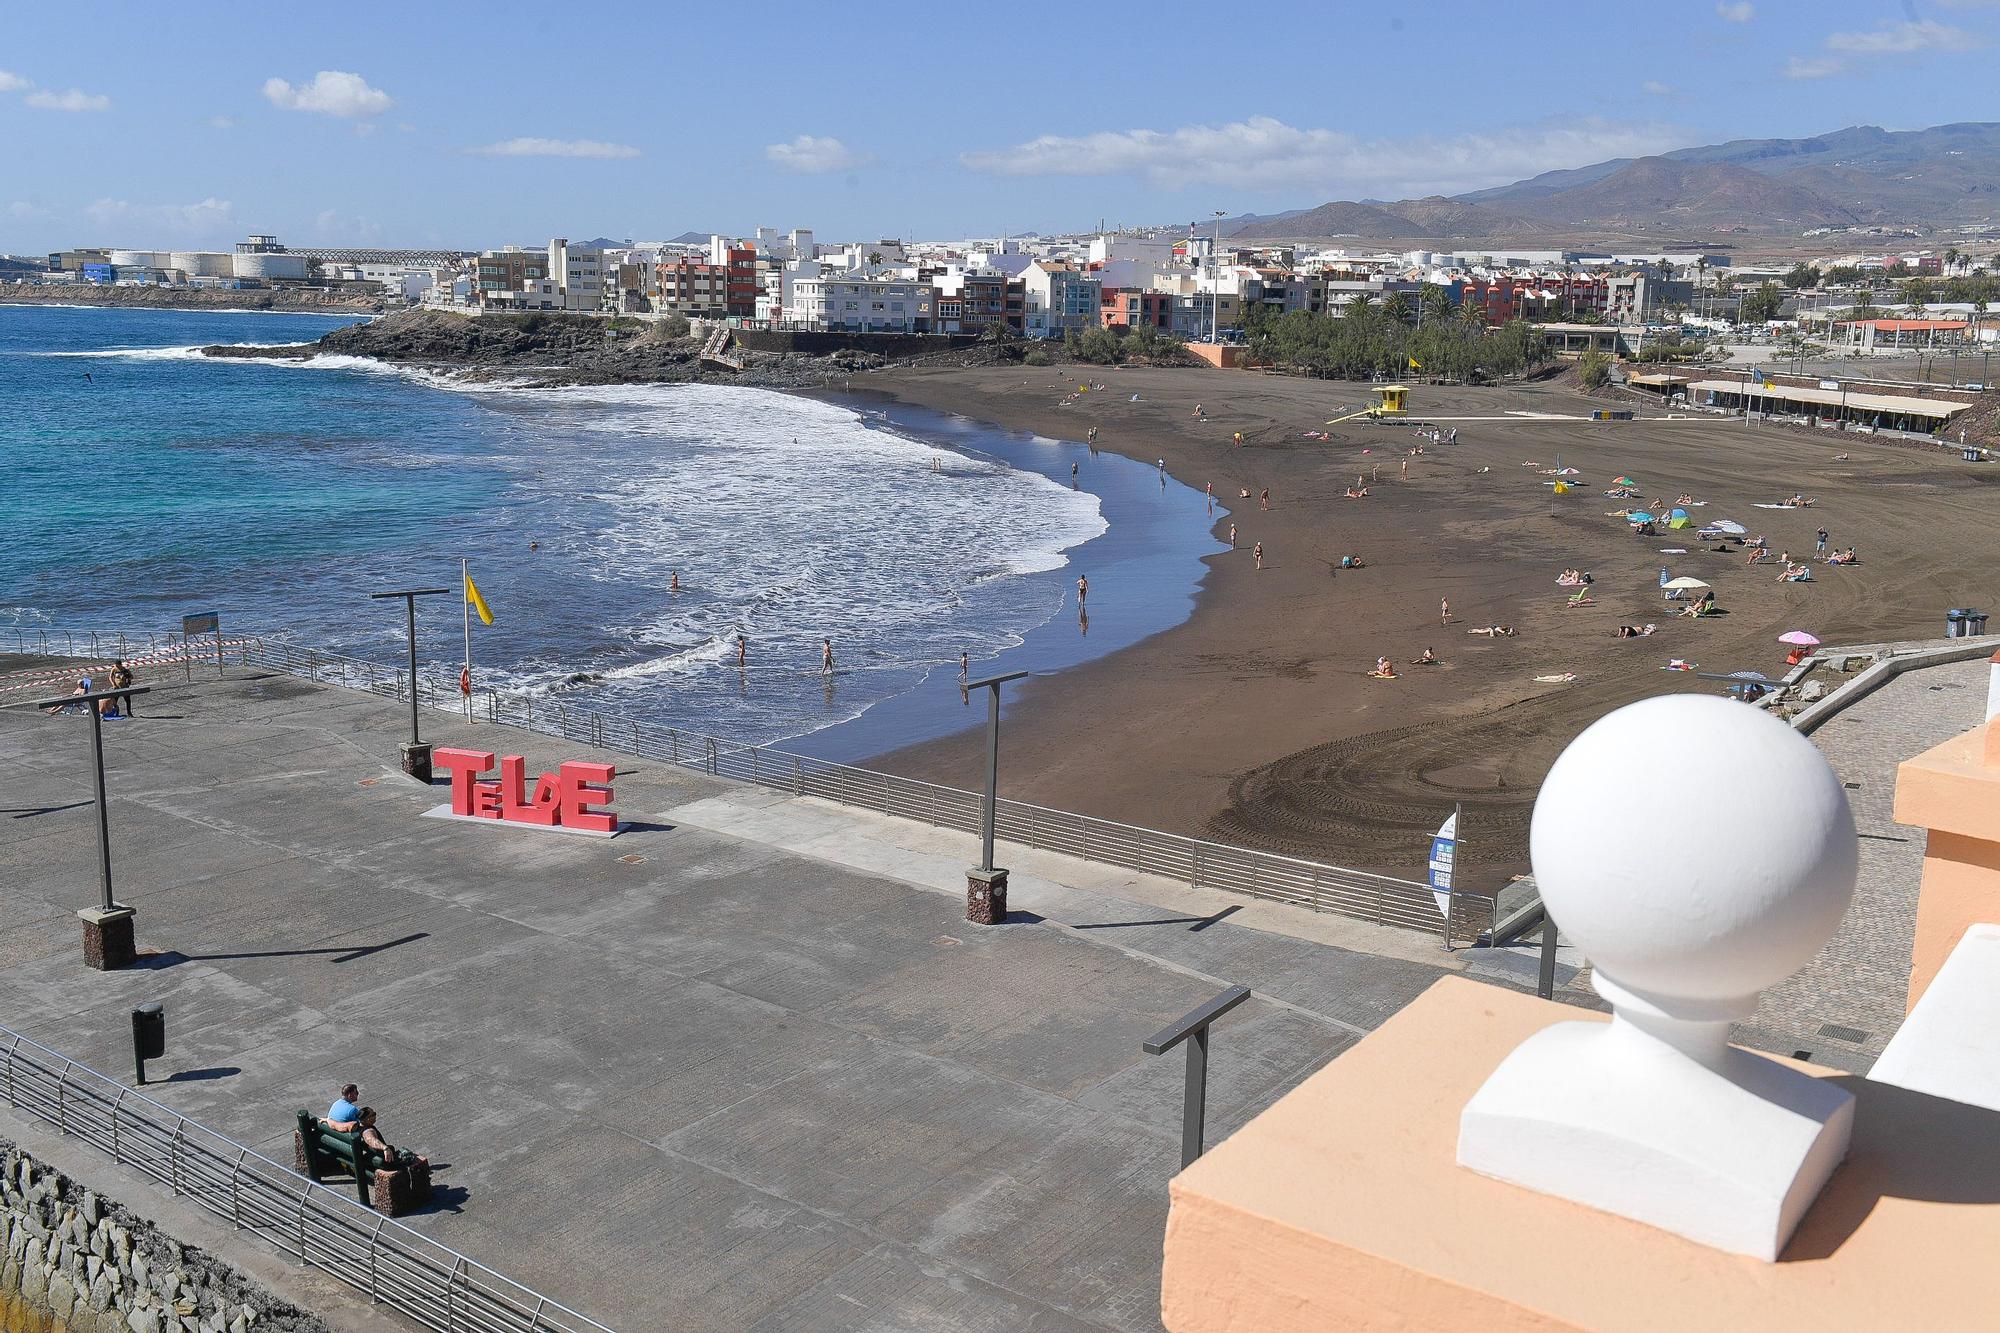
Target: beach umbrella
(1623, 481)
(1724, 525)
(1638, 516)
(1568, 472)
(1748, 675)
(1677, 513)
(1799, 637)
(1684, 581)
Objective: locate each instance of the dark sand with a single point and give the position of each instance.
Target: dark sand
(1255, 722)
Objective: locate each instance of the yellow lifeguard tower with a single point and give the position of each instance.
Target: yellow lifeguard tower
(1392, 400)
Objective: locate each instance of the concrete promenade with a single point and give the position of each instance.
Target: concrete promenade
(741, 1067)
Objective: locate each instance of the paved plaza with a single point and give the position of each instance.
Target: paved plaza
(1846, 1004)
(684, 1078)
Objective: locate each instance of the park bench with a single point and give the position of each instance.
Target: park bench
(392, 1188)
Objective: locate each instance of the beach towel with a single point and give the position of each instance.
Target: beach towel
(1561, 679)
(1673, 550)
(1678, 665)
(1774, 506)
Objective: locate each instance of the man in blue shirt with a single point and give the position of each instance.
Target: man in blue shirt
(345, 1113)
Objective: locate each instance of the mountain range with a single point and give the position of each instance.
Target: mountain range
(1948, 175)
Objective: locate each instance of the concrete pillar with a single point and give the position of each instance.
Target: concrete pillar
(107, 937)
(417, 760)
(986, 897)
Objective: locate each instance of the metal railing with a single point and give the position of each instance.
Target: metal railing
(1361, 894)
(392, 1263)
(1192, 1028)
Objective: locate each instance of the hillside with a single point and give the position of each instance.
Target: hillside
(1658, 192)
(1947, 175)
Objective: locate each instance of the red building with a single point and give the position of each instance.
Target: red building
(710, 290)
(1129, 307)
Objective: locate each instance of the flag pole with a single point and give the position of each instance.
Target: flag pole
(464, 584)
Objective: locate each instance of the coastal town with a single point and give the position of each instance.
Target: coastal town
(1195, 286)
(1257, 704)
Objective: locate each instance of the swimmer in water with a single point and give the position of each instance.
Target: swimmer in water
(675, 586)
(742, 652)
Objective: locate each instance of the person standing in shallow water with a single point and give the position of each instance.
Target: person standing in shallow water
(826, 657)
(1082, 589)
(742, 652)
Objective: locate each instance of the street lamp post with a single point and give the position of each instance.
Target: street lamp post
(107, 927)
(986, 883)
(416, 755)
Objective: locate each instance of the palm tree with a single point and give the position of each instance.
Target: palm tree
(1396, 306)
(1433, 302)
(1701, 278)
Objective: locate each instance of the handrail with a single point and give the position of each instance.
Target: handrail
(1192, 1028)
(1273, 876)
(386, 1259)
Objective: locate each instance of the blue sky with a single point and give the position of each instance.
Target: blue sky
(420, 124)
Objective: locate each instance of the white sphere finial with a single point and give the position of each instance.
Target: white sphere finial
(1696, 850)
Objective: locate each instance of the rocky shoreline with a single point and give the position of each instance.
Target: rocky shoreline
(184, 298)
(538, 350)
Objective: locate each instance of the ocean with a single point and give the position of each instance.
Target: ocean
(145, 482)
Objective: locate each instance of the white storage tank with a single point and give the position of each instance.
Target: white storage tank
(269, 265)
(140, 259)
(203, 263)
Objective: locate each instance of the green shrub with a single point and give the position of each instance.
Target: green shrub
(1038, 356)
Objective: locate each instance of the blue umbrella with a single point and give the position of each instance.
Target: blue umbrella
(1678, 513)
(1638, 516)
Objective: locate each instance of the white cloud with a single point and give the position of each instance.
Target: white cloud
(556, 148)
(816, 155)
(1656, 88)
(24, 208)
(1740, 12)
(73, 100)
(209, 217)
(332, 92)
(1906, 37)
(1813, 67)
(1266, 154)
(220, 123)
(12, 83)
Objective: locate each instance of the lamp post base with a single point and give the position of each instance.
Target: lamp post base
(107, 937)
(986, 897)
(417, 760)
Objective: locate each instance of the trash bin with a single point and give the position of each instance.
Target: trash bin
(1963, 622)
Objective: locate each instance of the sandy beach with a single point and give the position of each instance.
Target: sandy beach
(1256, 720)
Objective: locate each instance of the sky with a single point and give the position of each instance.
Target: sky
(436, 124)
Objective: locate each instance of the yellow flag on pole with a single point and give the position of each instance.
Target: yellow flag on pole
(476, 602)
(1416, 364)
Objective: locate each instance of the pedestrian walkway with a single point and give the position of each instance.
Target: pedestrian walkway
(690, 1077)
(1846, 1004)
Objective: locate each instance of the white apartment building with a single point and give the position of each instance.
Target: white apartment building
(1106, 248)
(578, 275)
(823, 297)
(1059, 300)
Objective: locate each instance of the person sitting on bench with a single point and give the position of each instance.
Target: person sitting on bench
(372, 1137)
(344, 1115)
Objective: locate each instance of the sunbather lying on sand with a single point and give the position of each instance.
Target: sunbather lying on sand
(1636, 631)
(1494, 631)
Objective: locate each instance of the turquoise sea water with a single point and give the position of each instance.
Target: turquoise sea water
(144, 482)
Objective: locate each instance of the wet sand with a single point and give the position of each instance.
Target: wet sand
(1256, 722)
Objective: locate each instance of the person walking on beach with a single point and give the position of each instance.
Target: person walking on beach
(1082, 589)
(1406, 469)
(1444, 611)
(1257, 554)
(1820, 548)
(1265, 498)
(826, 657)
(121, 679)
(1232, 536)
